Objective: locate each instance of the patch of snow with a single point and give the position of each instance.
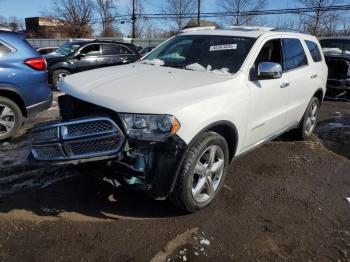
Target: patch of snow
(204, 242)
(199, 68)
(155, 62)
(184, 258)
(196, 253)
(348, 199)
(333, 50)
(5, 144)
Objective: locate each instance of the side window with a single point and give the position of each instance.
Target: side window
(91, 50)
(314, 50)
(270, 52)
(125, 50)
(113, 49)
(4, 49)
(293, 54)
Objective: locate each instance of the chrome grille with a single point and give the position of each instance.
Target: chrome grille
(77, 139)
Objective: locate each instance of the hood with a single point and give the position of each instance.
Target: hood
(141, 88)
(54, 58)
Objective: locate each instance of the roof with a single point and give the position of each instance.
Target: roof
(335, 38)
(253, 32)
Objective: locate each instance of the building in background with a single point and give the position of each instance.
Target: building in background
(43, 27)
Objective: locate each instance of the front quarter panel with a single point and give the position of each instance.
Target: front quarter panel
(230, 104)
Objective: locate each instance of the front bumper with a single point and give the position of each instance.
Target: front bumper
(339, 84)
(83, 140)
(39, 107)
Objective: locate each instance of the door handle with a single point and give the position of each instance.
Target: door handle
(314, 76)
(284, 85)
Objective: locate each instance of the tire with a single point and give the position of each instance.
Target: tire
(186, 194)
(57, 75)
(304, 131)
(11, 118)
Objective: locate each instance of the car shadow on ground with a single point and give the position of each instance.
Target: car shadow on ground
(89, 197)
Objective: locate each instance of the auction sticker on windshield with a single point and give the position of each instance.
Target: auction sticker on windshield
(223, 47)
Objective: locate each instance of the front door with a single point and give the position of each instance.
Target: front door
(269, 98)
(89, 58)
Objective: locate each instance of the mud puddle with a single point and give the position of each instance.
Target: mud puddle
(335, 133)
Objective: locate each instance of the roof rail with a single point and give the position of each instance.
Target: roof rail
(250, 28)
(288, 30)
(198, 28)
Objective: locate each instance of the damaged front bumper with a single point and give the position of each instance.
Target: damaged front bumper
(150, 166)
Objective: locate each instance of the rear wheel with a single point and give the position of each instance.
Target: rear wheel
(10, 118)
(202, 174)
(308, 122)
(57, 76)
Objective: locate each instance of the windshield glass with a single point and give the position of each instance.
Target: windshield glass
(205, 53)
(335, 46)
(68, 49)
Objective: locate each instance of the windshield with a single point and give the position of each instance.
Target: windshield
(68, 49)
(205, 53)
(335, 46)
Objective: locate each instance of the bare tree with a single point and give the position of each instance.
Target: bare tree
(107, 10)
(73, 17)
(234, 10)
(318, 21)
(345, 23)
(181, 10)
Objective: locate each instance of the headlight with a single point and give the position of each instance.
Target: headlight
(150, 127)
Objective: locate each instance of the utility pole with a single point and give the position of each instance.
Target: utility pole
(133, 19)
(199, 13)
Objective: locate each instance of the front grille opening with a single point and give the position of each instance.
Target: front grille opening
(48, 152)
(88, 128)
(96, 146)
(45, 134)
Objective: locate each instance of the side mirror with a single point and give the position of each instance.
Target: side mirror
(269, 70)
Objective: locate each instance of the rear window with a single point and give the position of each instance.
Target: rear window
(4, 49)
(314, 50)
(113, 49)
(293, 54)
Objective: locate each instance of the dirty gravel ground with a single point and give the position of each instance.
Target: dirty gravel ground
(286, 201)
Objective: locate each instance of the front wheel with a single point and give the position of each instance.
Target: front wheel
(202, 174)
(308, 122)
(57, 76)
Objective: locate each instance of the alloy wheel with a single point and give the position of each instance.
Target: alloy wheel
(7, 120)
(311, 119)
(208, 173)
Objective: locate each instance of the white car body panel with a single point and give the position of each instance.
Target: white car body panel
(199, 99)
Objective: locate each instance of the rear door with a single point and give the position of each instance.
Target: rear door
(302, 75)
(269, 98)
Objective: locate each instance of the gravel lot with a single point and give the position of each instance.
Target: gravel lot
(285, 201)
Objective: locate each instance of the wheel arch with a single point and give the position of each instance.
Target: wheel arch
(9, 93)
(319, 95)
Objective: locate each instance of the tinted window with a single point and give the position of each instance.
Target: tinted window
(4, 49)
(91, 50)
(293, 54)
(68, 49)
(203, 53)
(314, 50)
(270, 52)
(113, 49)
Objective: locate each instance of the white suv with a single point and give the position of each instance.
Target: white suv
(171, 123)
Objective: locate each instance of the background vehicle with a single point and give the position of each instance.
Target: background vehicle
(46, 50)
(23, 83)
(173, 121)
(74, 57)
(146, 50)
(337, 53)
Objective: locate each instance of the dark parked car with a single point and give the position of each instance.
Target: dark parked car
(23, 83)
(337, 54)
(46, 50)
(146, 50)
(74, 57)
